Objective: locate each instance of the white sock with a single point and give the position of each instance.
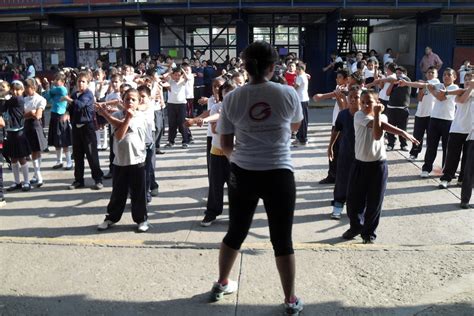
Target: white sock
(97, 135)
(36, 165)
(59, 156)
(106, 139)
(16, 172)
(68, 158)
(24, 170)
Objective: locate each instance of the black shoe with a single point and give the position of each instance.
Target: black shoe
(14, 187)
(46, 150)
(465, 206)
(58, 166)
(350, 234)
(369, 240)
(328, 180)
(108, 175)
(169, 145)
(159, 152)
(207, 220)
(404, 148)
(76, 185)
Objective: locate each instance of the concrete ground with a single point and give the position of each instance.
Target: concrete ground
(53, 261)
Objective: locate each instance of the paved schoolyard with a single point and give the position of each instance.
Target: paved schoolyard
(53, 261)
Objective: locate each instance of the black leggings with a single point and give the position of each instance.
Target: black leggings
(278, 191)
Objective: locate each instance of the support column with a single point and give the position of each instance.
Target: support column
(70, 46)
(154, 35)
(314, 56)
(242, 32)
(332, 21)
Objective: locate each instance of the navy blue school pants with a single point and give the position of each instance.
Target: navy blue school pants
(150, 162)
(367, 184)
(219, 175)
(456, 145)
(468, 177)
(333, 165)
(419, 130)
(344, 163)
(398, 117)
(128, 179)
(302, 135)
(437, 130)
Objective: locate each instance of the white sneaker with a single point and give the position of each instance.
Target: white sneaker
(425, 174)
(389, 148)
(105, 225)
(336, 212)
(218, 290)
(411, 158)
(143, 226)
(294, 308)
(443, 185)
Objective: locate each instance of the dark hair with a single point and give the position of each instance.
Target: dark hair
(392, 67)
(145, 89)
(402, 69)
(358, 78)
(451, 70)
(388, 49)
(369, 92)
(228, 85)
(344, 73)
(131, 90)
(175, 70)
(257, 57)
(31, 83)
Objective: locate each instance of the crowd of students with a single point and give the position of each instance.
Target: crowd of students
(252, 115)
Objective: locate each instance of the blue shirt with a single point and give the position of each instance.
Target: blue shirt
(82, 108)
(54, 96)
(198, 81)
(345, 125)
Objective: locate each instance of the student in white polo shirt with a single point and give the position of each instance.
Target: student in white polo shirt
(442, 116)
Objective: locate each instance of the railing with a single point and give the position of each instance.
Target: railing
(248, 3)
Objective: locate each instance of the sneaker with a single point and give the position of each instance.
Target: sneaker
(191, 140)
(69, 167)
(143, 227)
(425, 174)
(297, 143)
(459, 183)
(106, 224)
(58, 165)
(294, 308)
(328, 180)
(35, 182)
(207, 220)
(169, 145)
(412, 158)
(97, 186)
(26, 186)
(465, 206)
(159, 152)
(218, 290)
(370, 240)
(404, 148)
(14, 187)
(184, 145)
(336, 212)
(3, 202)
(154, 192)
(443, 185)
(350, 234)
(389, 148)
(76, 185)
(108, 175)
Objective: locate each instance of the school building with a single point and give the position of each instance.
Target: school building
(76, 32)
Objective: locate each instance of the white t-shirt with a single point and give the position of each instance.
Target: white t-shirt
(34, 102)
(471, 135)
(302, 90)
(131, 149)
(335, 113)
(462, 73)
(100, 90)
(260, 117)
(444, 110)
(189, 88)
(129, 79)
(383, 93)
(177, 92)
(368, 73)
(387, 59)
(368, 149)
(462, 119)
(216, 138)
(113, 96)
(210, 104)
(425, 106)
(31, 71)
(150, 123)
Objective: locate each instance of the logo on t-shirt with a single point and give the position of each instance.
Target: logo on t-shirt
(260, 111)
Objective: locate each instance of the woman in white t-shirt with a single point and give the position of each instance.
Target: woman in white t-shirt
(261, 116)
(442, 116)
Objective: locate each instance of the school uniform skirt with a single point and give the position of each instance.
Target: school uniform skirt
(60, 133)
(35, 136)
(16, 145)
